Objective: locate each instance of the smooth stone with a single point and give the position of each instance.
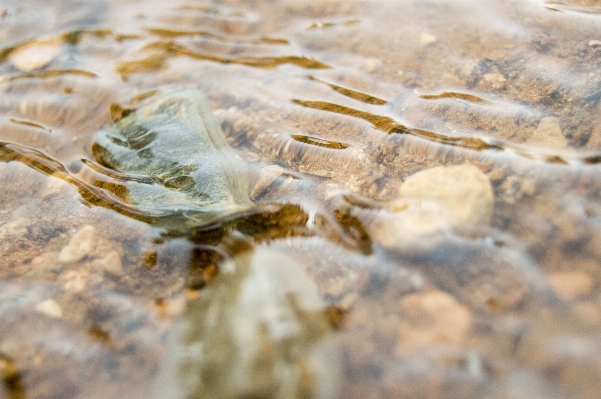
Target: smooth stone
(34, 56)
(50, 308)
(548, 134)
(186, 173)
(571, 285)
(594, 43)
(410, 226)
(461, 190)
(432, 318)
(258, 330)
(110, 264)
(80, 245)
(427, 39)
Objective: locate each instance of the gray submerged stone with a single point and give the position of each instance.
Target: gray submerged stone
(174, 159)
(259, 330)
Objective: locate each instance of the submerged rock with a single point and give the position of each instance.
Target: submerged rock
(259, 330)
(462, 190)
(80, 245)
(173, 159)
(432, 318)
(431, 204)
(548, 134)
(571, 285)
(34, 55)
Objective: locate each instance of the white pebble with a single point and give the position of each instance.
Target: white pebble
(36, 55)
(426, 38)
(594, 43)
(50, 308)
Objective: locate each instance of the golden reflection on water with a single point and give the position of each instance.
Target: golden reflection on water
(333, 108)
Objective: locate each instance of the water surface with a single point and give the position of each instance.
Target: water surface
(331, 106)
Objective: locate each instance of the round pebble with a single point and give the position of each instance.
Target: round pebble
(462, 190)
(80, 245)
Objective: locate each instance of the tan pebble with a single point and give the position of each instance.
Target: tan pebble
(32, 56)
(38, 260)
(548, 134)
(496, 80)
(426, 39)
(594, 43)
(50, 308)
(410, 229)
(80, 245)
(571, 285)
(431, 318)
(110, 264)
(76, 280)
(462, 190)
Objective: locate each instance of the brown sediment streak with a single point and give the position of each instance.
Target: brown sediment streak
(172, 33)
(72, 38)
(355, 95)
(389, 125)
(326, 25)
(213, 11)
(49, 74)
(453, 94)
(12, 377)
(5, 52)
(260, 62)
(91, 194)
(115, 174)
(593, 159)
(169, 49)
(559, 5)
(334, 145)
(30, 124)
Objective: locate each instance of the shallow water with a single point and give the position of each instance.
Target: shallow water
(331, 107)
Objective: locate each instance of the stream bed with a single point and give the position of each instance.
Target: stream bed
(300, 199)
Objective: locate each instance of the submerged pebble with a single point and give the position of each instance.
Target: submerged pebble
(431, 204)
(548, 134)
(35, 55)
(462, 190)
(50, 308)
(80, 245)
(176, 159)
(405, 225)
(571, 285)
(259, 330)
(432, 318)
(110, 264)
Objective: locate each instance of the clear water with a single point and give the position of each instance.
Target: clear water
(331, 106)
